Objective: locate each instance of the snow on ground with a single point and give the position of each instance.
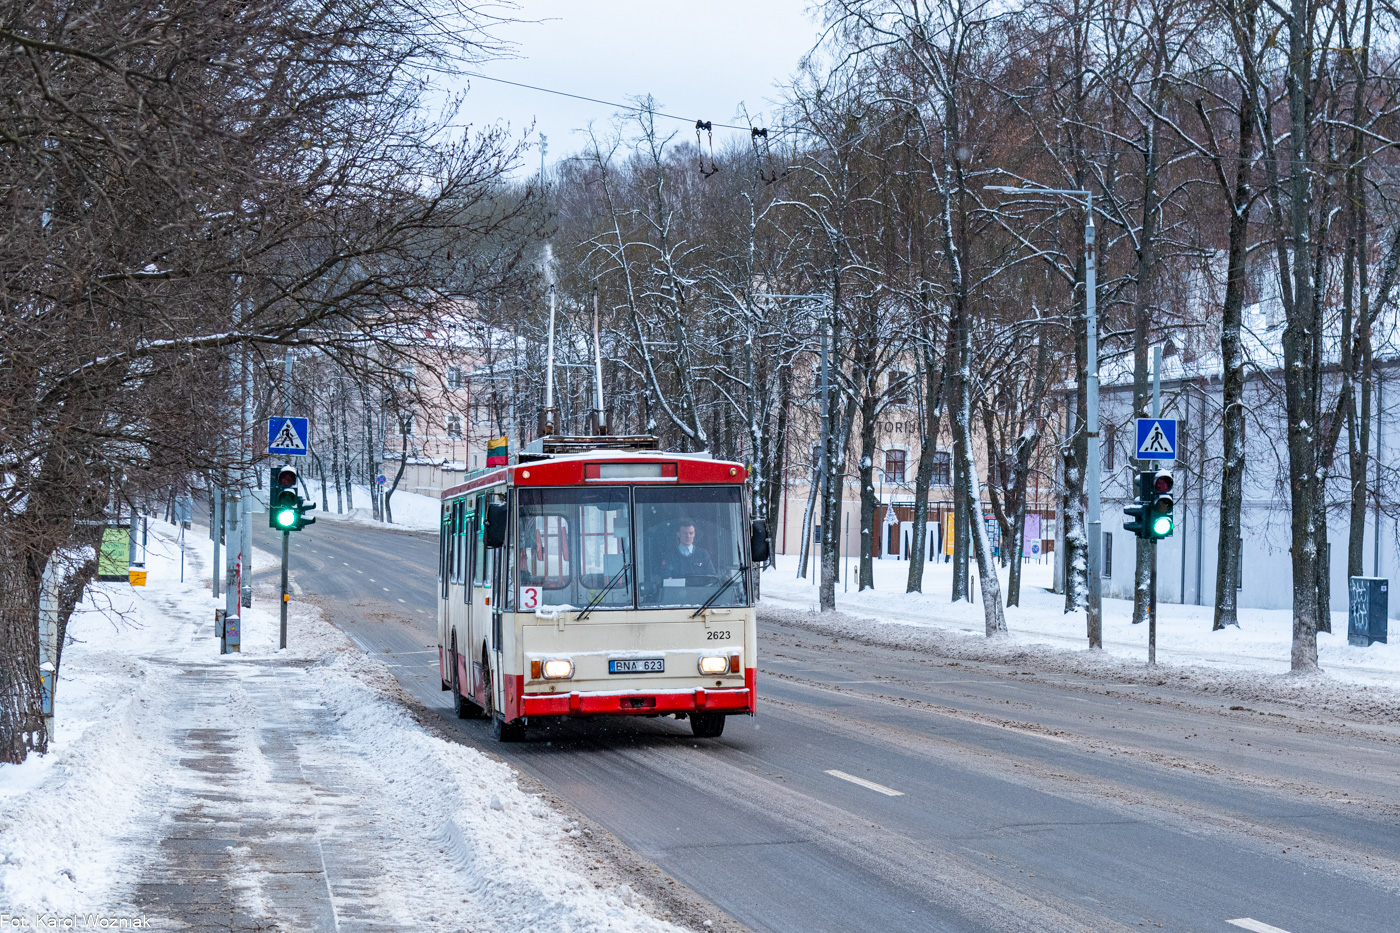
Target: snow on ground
(470, 845)
(412, 511)
(1260, 644)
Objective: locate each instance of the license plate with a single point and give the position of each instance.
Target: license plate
(637, 666)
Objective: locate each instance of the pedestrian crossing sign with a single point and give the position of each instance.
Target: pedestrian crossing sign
(1156, 438)
(287, 436)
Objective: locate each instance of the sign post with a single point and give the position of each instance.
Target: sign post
(1156, 440)
(282, 628)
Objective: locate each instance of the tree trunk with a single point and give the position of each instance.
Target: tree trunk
(960, 589)
(345, 451)
(1299, 365)
(995, 619)
(813, 492)
(1232, 363)
(21, 699)
(403, 462)
(868, 502)
(335, 460)
(928, 446)
(371, 460)
(832, 502)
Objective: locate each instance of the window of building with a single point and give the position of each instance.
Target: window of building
(1107, 554)
(898, 387)
(454, 425)
(454, 377)
(895, 461)
(1110, 447)
(942, 468)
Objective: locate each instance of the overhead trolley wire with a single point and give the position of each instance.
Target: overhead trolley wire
(606, 103)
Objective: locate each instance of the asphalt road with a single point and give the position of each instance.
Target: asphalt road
(877, 790)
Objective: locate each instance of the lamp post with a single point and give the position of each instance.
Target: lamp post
(1091, 386)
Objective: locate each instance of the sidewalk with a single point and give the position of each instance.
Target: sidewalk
(272, 790)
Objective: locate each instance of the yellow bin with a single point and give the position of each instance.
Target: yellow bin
(138, 577)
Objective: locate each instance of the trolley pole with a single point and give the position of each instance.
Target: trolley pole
(282, 641)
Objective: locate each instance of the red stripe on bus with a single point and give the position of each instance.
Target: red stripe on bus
(734, 700)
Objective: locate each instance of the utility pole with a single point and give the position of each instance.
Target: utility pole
(216, 529)
(232, 626)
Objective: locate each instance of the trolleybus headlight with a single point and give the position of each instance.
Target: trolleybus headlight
(558, 669)
(714, 664)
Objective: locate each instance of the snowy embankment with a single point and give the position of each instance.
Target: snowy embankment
(1260, 645)
(412, 511)
(82, 827)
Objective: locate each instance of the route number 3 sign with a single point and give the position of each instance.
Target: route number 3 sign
(530, 598)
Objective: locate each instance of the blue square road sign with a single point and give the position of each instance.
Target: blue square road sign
(288, 436)
(1156, 439)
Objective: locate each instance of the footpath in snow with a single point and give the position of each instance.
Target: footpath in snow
(1252, 658)
(272, 790)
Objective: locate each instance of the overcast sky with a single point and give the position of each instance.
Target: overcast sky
(700, 59)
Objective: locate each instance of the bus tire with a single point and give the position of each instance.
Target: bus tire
(707, 725)
(507, 731)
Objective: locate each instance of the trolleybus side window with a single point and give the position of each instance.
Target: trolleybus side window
(460, 565)
(444, 542)
(690, 546)
(483, 577)
(469, 549)
(573, 547)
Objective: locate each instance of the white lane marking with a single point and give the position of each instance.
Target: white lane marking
(1248, 923)
(386, 589)
(868, 785)
(403, 600)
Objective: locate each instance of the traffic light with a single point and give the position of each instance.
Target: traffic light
(286, 510)
(1137, 512)
(1160, 521)
(1151, 513)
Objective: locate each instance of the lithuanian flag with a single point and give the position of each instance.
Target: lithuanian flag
(497, 452)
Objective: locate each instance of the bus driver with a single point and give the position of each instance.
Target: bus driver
(684, 558)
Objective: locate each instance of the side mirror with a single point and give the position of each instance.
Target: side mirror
(758, 542)
(496, 515)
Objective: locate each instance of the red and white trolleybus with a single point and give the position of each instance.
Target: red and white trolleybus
(599, 576)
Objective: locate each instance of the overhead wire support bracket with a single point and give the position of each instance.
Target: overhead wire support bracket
(769, 174)
(708, 127)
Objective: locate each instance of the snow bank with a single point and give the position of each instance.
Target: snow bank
(79, 825)
(1261, 644)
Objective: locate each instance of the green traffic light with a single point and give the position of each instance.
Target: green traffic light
(286, 517)
(1162, 526)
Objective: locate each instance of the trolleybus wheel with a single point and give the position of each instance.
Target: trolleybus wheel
(707, 725)
(507, 731)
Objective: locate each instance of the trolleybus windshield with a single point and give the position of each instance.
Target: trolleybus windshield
(573, 545)
(689, 546)
(575, 548)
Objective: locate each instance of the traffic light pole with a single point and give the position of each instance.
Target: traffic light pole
(1152, 610)
(1152, 577)
(282, 641)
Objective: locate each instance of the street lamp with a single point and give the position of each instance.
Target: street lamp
(1091, 384)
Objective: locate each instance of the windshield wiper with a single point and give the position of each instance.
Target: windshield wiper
(717, 593)
(603, 593)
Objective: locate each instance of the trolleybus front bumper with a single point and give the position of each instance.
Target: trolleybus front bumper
(635, 702)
